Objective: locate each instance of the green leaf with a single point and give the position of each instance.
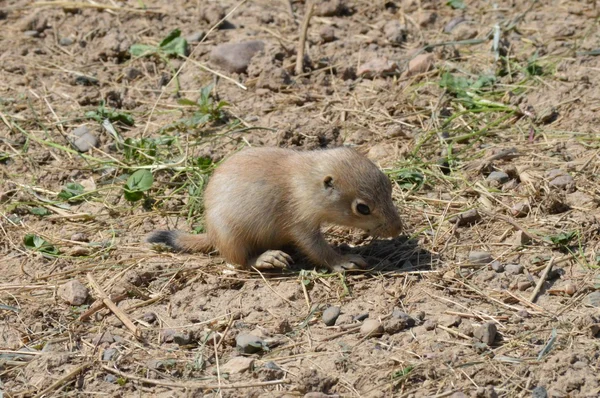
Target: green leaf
(170, 37)
(37, 243)
(137, 184)
(141, 50)
(409, 179)
(178, 46)
(561, 239)
(71, 190)
(457, 4)
(186, 102)
(39, 211)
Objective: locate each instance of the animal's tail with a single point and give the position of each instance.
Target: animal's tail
(181, 241)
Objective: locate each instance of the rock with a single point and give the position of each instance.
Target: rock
(84, 139)
(114, 46)
(105, 337)
(80, 237)
(514, 269)
(580, 199)
(498, 176)
(395, 32)
(108, 354)
(520, 239)
(273, 78)
(404, 317)
(212, 13)
(394, 325)
(327, 34)
(469, 217)
(65, 41)
(430, 324)
(237, 365)
(377, 67)
(195, 37)
(31, 33)
(539, 392)
(249, 344)
(330, 315)
(451, 321)
(168, 335)
(420, 64)
(110, 378)
(132, 73)
(73, 292)
(592, 299)
(235, 57)
(464, 32)
(182, 338)
(486, 333)
(497, 266)
(480, 257)
(330, 8)
(371, 328)
(149, 317)
(524, 285)
(562, 182)
(520, 209)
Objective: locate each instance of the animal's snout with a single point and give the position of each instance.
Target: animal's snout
(394, 225)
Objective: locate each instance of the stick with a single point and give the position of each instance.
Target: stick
(98, 305)
(113, 307)
(302, 42)
(193, 385)
(543, 278)
(66, 378)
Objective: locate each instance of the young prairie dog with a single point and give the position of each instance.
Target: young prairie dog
(262, 200)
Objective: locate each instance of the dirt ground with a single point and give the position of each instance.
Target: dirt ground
(485, 115)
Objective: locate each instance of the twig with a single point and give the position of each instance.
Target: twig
(113, 307)
(76, 4)
(98, 305)
(302, 42)
(543, 278)
(66, 378)
(193, 385)
(454, 332)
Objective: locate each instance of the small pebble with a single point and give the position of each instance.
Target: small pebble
(514, 269)
(469, 217)
(592, 299)
(372, 328)
(168, 335)
(395, 32)
(520, 238)
(451, 321)
(110, 378)
(84, 139)
(570, 289)
(237, 365)
(521, 209)
(563, 181)
(330, 315)
(108, 354)
(420, 64)
(132, 73)
(249, 344)
(73, 292)
(195, 37)
(149, 317)
(65, 41)
(31, 33)
(539, 392)
(80, 237)
(235, 57)
(394, 325)
(522, 286)
(480, 257)
(497, 266)
(498, 176)
(327, 34)
(361, 317)
(330, 8)
(430, 324)
(486, 333)
(377, 67)
(523, 314)
(182, 338)
(404, 317)
(580, 199)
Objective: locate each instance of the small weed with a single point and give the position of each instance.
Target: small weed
(138, 183)
(402, 372)
(457, 4)
(408, 179)
(70, 191)
(39, 211)
(103, 113)
(39, 244)
(561, 240)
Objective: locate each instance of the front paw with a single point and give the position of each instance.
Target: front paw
(349, 262)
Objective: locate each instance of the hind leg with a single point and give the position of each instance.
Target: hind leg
(271, 259)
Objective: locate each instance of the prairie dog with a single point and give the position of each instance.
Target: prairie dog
(261, 200)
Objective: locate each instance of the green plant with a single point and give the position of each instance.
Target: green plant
(207, 109)
(408, 179)
(102, 113)
(138, 183)
(172, 45)
(457, 4)
(71, 190)
(39, 244)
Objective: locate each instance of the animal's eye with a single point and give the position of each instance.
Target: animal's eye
(363, 209)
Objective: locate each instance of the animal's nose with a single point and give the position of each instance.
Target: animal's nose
(395, 226)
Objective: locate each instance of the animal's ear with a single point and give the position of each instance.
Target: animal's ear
(328, 182)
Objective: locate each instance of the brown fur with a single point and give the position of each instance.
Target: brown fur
(262, 199)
